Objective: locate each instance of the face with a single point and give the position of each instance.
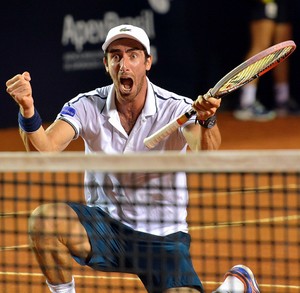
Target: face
(127, 65)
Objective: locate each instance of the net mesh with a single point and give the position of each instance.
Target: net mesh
(243, 208)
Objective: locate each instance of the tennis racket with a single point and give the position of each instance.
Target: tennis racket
(244, 73)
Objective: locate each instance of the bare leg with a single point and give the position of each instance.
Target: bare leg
(283, 32)
(55, 233)
(261, 32)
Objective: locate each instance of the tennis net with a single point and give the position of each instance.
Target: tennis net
(244, 208)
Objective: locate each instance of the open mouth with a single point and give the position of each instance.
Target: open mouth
(126, 83)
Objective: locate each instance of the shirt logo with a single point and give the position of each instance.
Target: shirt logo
(68, 111)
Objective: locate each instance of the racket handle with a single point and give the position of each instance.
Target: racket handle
(152, 140)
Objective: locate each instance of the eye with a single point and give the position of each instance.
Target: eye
(134, 55)
(115, 58)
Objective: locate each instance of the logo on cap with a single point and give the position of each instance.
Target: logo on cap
(125, 29)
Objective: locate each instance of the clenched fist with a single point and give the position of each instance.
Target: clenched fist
(19, 88)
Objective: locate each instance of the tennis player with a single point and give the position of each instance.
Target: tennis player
(142, 231)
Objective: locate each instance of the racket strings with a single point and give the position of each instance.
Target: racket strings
(255, 69)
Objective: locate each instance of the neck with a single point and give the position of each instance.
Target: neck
(128, 117)
(130, 111)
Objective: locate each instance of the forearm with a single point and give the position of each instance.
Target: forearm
(205, 135)
(199, 138)
(210, 138)
(26, 141)
(32, 131)
(36, 141)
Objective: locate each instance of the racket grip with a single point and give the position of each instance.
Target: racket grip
(152, 140)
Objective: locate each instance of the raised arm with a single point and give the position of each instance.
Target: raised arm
(55, 138)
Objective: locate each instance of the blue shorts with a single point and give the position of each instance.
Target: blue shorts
(160, 262)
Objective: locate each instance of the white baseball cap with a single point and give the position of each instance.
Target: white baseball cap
(127, 31)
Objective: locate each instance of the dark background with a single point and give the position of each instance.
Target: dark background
(195, 43)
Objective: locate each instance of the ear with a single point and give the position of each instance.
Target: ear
(105, 64)
(149, 63)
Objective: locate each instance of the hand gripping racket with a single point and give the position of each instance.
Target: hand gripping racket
(244, 73)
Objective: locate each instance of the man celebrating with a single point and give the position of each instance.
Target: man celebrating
(107, 232)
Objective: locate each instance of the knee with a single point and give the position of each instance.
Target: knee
(39, 220)
(47, 219)
(50, 220)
